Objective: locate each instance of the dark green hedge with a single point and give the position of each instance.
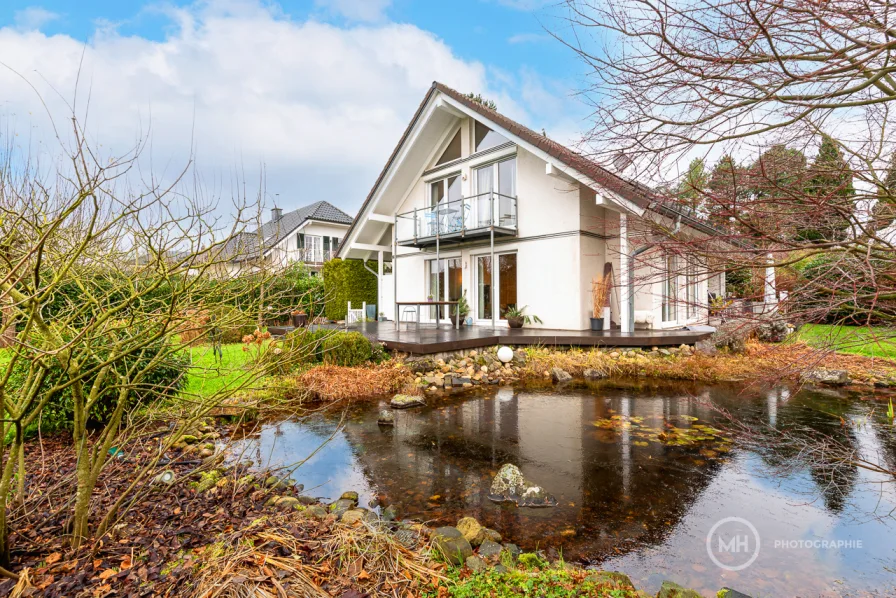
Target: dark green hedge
(344, 281)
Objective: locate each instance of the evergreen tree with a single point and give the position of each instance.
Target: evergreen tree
(830, 185)
(692, 186)
(724, 187)
(884, 209)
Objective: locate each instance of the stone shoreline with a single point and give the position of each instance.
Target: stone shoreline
(468, 544)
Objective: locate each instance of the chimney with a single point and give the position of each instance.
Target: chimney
(276, 214)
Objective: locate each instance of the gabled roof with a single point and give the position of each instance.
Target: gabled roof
(245, 245)
(638, 194)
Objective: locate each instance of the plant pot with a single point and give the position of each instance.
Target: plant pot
(299, 320)
(597, 323)
(515, 322)
(453, 319)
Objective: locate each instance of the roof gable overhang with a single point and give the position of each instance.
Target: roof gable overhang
(426, 132)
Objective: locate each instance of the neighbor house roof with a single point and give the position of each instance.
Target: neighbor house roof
(245, 245)
(640, 195)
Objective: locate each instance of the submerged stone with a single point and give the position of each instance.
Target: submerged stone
(729, 593)
(509, 485)
(391, 513)
(406, 401)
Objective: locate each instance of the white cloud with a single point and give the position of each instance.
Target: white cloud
(527, 4)
(320, 106)
(33, 17)
(356, 10)
(527, 38)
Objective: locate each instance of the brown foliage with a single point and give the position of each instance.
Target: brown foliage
(332, 382)
(759, 361)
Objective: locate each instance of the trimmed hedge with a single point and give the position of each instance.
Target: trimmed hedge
(347, 348)
(344, 281)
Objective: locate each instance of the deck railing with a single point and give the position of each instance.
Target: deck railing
(459, 216)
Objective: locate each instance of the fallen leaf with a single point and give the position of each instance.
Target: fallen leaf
(363, 574)
(54, 558)
(126, 562)
(107, 574)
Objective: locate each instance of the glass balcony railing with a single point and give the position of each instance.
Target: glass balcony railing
(458, 217)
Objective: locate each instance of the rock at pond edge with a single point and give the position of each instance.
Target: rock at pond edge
(386, 418)
(452, 545)
(406, 402)
(510, 485)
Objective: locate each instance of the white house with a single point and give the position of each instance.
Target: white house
(311, 234)
(473, 202)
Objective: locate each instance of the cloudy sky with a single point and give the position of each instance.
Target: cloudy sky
(315, 93)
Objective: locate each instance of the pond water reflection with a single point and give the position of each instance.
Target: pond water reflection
(627, 500)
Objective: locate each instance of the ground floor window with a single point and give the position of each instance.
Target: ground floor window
(444, 282)
(495, 288)
(670, 289)
(691, 282)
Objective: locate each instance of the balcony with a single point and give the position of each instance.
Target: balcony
(458, 220)
(316, 256)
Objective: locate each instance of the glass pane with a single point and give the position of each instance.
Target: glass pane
(454, 188)
(484, 288)
(452, 152)
(454, 284)
(507, 190)
(436, 192)
(507, 282)
(434, 281)
(484, 184)
(486, 138)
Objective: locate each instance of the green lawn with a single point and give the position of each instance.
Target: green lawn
(208, 375)
(859, 340)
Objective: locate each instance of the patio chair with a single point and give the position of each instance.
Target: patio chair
(412, 310)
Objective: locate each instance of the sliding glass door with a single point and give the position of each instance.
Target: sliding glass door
(446, 276)
(495, 188)
(496, 290)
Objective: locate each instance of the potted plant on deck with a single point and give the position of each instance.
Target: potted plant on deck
(600, 291)
(516, 317)
(463, 308)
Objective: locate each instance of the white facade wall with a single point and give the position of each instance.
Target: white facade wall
(287, 250)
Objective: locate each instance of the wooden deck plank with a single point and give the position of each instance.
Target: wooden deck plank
(437, 339)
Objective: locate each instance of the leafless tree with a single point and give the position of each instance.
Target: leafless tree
(755, 86)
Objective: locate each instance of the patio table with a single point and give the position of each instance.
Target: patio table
(418, 304)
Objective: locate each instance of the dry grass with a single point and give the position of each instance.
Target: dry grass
(333, 382)
(291, 556)
(757, 362)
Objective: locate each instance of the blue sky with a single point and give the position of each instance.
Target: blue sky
(315, 93)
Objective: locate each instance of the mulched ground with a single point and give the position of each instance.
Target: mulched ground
(169, 534)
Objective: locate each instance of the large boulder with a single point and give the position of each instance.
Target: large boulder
(618, 580)
(451, 544)
(670, 589)
(490, 551)
(594, 374)
(386, 418)
(826, 377)
(559, 376)
(774, 332)
(406, 401)
(509, 485)
(472, 530)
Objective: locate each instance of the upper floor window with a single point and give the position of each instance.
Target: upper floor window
(444, 190)
(452, 152)
(486, 138)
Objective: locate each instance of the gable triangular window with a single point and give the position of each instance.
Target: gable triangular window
(452, 152)
(486, 138)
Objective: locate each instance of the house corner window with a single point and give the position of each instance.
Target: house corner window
(670, 289)
(485, 138)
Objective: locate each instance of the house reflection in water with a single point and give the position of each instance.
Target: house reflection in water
(615, 490)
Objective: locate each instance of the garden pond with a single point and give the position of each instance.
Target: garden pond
(642, 473)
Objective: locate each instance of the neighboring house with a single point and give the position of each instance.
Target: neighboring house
(468, 189)
(311, 234)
